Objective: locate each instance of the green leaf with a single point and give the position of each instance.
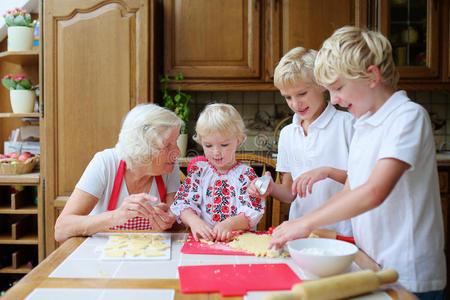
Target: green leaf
(25, 83)
(8, 83)
(9, 20)
(19, 21)
(20, 87)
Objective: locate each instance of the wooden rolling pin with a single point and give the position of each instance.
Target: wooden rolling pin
(337, 287)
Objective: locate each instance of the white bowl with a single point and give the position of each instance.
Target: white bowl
(322, 257)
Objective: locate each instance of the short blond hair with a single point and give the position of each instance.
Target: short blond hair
(219, 118)
(350, 51)
(296, 65)
(141, 137)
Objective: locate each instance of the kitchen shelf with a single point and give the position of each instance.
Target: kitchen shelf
(28, 239)
(21, 179)
(25, 210)
(13, 115)
(30, 57)
(10, 270)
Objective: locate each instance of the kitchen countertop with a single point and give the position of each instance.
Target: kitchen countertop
(40, 277)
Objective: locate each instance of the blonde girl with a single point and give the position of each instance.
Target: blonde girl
(213, 200)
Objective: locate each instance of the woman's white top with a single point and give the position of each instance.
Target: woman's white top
(406, 231)
(327, 144)
(215, 197)
(98, 180)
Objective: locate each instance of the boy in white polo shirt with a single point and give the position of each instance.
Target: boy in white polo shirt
(392, 189)
(304, 153)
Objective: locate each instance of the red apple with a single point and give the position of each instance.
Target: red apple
(29, 153)
(24, 156)
(14, 155)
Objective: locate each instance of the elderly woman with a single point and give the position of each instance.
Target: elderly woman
(132, 185)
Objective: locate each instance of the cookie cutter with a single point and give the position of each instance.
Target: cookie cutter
(262, 183)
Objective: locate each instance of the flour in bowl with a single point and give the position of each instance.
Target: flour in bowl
(316, 251)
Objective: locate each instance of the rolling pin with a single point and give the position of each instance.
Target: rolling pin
(337, 287)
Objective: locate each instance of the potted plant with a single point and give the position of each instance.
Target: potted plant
(22, 94)
(178, 102)
(20, 29)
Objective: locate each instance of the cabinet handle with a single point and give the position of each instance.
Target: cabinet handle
(275, 4)
(436, 4)
(256, 4)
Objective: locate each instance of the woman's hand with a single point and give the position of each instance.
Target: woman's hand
(305, 181)
(222, 231)
(164, 218)
(136, 205)
(253, 191)
(288, 231)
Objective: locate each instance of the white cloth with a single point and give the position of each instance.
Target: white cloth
(406, 231)
(215, 197)
(327, 144)
(98, 180)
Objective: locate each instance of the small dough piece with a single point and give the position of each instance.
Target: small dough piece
(115, 253)
(135, 252)
(158, 245)
(206, 242)
(153, 252)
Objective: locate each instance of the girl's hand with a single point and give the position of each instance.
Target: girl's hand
(136, 205)
(288, 231)
(222, 231)
(200, 228)
(305, 181)
(253, 191)
(164, 218)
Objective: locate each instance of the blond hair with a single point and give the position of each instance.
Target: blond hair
(350, 51)
(144, 128)
(296, 65)
(219, 118)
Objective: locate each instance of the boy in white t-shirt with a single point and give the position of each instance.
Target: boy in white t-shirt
(392, 190)
(304, 155)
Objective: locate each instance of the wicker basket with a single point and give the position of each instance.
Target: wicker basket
(7, 168)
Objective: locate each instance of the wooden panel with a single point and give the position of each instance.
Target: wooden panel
(212, 39)
(307, 23)
(96, 67)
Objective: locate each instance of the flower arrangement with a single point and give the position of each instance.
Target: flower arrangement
(18, 17)
(178, 102)
(20, 82)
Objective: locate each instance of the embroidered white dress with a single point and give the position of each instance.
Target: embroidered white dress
(215, 197)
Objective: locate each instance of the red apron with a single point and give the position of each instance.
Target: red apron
(137, 223)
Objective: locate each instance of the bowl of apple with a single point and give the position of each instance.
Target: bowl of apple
(17, 163)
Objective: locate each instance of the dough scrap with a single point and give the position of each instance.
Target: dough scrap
(153, 252)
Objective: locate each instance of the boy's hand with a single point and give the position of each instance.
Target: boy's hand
(253, 191)
(288, 231)
(222, 230)
(305, 182)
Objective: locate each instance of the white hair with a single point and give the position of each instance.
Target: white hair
(143, 131)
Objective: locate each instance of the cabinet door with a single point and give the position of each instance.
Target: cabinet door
(214, 39)
(307, 23)
(412, 26)
(95, 70)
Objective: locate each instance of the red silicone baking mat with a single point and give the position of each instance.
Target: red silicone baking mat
(236, 279)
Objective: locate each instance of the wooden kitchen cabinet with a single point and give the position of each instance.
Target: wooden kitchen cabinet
(419, 34)
(98, 64)
(236, 44)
